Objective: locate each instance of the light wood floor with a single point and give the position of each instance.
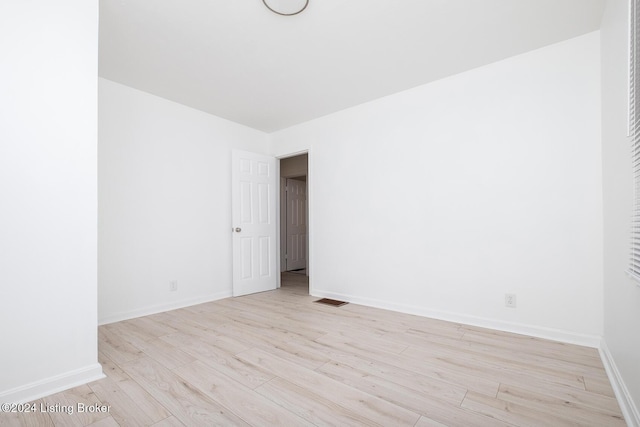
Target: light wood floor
(279, 359)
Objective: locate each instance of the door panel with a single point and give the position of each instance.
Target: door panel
(253, 197)
(296, 224)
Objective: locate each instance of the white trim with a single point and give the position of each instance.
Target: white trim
(51, 385)
(516, 328)
(630, 28)
(310, 228)
(627, 405)
(161, 308)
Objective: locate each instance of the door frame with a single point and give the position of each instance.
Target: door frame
(310, 227)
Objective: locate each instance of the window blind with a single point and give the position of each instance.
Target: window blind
(634, 131)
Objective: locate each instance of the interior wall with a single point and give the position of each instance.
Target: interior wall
(485, 183)
(164, 202)
(48, 173)
(293, 167)
(621, 293)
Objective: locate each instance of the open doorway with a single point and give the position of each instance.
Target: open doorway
(294, 215)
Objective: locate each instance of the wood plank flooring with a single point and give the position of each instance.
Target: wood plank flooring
(278, 359)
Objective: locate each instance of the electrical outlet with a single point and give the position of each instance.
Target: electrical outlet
(173, 285)
(510, 300)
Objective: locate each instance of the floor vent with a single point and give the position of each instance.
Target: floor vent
(332, 302)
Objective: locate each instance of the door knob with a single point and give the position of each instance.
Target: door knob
(238, 229)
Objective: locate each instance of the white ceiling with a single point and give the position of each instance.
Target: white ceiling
(239, 61)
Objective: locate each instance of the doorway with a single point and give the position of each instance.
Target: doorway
(294, 219)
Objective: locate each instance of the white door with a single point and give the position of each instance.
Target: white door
(253, 212)
(296, 224)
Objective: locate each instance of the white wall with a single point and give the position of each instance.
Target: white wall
(621, 294)
(164, 202)
(48, 196)
(480, 184)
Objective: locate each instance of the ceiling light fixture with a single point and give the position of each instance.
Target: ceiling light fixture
(286, 7)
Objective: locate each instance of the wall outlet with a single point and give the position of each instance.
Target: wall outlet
(173, 286)
(510, 300)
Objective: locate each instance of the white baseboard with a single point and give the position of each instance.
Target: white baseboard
(146, 311)
(628, 407)
(56, 384)
(568, 337)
